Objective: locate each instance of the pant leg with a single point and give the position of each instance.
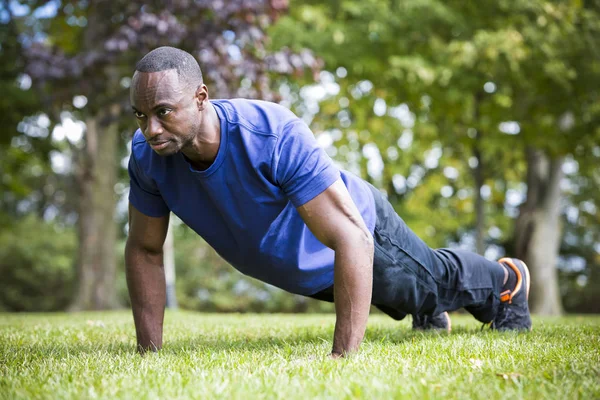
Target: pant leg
(410, 277)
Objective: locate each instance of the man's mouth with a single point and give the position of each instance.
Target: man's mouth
(159, 145)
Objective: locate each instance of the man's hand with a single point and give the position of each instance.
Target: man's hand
(334, 219)
(146, 277)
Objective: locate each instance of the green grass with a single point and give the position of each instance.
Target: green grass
(92, 355)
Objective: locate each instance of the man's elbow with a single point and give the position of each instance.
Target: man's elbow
(136, 251)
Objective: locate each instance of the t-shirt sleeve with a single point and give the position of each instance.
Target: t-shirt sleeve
(301, 168)
(143, 193)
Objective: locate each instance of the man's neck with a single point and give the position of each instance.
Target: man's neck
(203, 151)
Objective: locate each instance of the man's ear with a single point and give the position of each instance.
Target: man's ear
(201, 96)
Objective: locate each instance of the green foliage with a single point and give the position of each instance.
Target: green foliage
(36, 265)
(580, 278)
(15, 102)
(23, 159)
(285, 357)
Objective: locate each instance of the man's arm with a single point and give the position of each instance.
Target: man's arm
(334, 219)
(146, 276)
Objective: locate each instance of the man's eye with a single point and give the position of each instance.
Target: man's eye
(164, 111)
(138, 114)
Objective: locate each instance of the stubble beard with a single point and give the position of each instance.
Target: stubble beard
(188, 142)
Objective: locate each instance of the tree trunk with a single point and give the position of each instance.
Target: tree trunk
(538, 231)
(97, 177)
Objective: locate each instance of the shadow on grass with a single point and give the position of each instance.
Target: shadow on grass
(310, 336)
(318, 336)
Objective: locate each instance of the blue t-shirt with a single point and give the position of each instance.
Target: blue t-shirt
(244, 204)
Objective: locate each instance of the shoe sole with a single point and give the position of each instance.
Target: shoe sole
(528, 280)
(528, 286)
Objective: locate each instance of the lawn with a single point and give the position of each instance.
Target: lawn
(92, 355)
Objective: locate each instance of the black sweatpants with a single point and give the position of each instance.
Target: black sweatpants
(411, 278)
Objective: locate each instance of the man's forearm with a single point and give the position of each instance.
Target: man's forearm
(353, 285)
(147, 291)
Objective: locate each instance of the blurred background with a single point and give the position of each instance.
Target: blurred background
(480, 120)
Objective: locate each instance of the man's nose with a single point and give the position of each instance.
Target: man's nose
(154, 128)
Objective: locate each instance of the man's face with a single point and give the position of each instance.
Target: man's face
(167, 110)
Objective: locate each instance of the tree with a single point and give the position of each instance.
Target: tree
(90, 50)
(469, 74)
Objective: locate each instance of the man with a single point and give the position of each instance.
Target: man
(250, 179)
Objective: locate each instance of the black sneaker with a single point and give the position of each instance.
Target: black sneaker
(513, 313)
(427, 322)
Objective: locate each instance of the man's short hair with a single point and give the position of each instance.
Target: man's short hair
(165, 58)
